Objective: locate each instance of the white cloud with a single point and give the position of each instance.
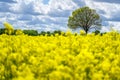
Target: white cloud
(108, 11)
(52, 15)
(23, 7)
(115, 25)
(105, 29)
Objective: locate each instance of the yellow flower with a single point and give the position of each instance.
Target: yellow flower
(9, 28)
(82, 32)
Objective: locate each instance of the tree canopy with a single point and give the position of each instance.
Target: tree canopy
(84, 18)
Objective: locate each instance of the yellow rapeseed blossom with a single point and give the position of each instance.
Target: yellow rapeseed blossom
(60, 57)
(9, 28)
(19, 32)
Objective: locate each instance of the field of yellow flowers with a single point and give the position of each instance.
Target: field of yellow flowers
(70, 57)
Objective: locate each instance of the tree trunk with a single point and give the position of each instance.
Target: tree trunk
(86, 31)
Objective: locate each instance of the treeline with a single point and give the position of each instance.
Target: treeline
(9, 29)
(32, 32)
(36, 33)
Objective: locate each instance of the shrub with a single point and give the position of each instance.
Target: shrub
(31, 32)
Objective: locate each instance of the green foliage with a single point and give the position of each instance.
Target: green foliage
(30, 32)
(96, 32)
(57, 32)
(2, 31)
(42, 33)
(48, 33)
(84, 18)
(33, 32)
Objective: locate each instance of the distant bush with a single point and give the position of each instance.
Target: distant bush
(2, 31)
(42, 33)
(103, 33)
(31, 32)
(96, 32)
(48, 33)
(57, 32)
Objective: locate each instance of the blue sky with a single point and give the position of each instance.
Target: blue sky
(45, 1)
(50, 15)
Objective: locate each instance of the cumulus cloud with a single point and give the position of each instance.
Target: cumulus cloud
(23, 7)
(109, 12)
(53, 14)
(36, 13)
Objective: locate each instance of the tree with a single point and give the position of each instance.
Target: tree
(84, 18)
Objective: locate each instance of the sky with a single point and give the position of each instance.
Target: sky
(50, 15)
